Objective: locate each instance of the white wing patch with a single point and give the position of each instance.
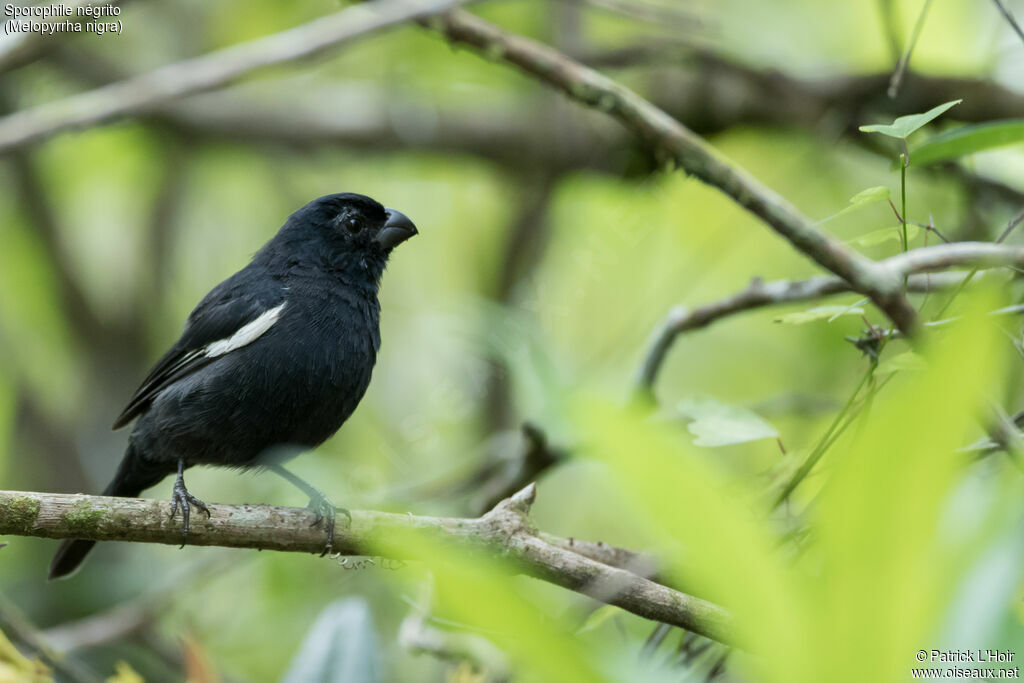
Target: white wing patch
(246, 335)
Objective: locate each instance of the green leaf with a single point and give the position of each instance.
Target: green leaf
(877, 237)
(968, 140)
(905, 125)
(719, 424)
(818, 313)
(871, 195)
(908, 360)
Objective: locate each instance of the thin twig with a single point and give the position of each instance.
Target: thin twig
(1003, 432)
(1009, 227)
(420, 637)
(889, 18)
(1009, 18)
(17, 625)
(901, 67)
(957, 254)
(869, 341)
(758, 294)
(500, 479)
(970, 276)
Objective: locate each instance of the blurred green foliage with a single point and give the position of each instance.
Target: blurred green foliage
(893, 543)
(863, 592)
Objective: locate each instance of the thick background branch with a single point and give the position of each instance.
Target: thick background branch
(707, 92)
(210, 71)
(590, 568)
(677, 144)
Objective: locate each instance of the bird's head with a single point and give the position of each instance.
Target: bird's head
(347, 231)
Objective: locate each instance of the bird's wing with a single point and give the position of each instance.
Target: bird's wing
(234, 314)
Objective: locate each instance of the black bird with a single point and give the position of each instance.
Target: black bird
(272, 361)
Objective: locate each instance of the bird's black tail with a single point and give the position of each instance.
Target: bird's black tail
(132, 478)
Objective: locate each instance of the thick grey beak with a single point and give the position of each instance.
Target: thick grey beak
(396, 230)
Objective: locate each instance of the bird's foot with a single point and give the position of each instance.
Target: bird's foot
(181, 497)
(326, 513)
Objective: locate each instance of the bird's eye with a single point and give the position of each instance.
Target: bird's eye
(353, 224)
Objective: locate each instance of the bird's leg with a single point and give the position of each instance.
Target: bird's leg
(186, 500)
(325, 510)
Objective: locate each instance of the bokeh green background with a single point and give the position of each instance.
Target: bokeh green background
(143, 217)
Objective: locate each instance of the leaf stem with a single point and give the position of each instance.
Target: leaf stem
(904, 62)
(823, 443)
(903, 198)
(904, 162)
(829, 439)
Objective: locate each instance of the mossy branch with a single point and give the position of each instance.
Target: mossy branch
(611, 575)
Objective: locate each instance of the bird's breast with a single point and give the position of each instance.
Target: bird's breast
(331, 347)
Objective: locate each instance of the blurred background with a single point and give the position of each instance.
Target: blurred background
(552, 244)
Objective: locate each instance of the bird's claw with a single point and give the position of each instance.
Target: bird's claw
(181, 497)
(326, 513)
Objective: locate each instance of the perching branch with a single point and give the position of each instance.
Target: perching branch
(677, 144)
(212, 70)
(593, 569)
(758, 294)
